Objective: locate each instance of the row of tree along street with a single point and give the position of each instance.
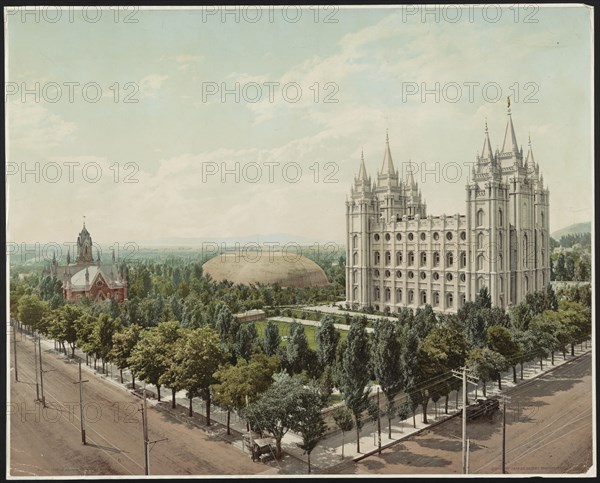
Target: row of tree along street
(279, 387)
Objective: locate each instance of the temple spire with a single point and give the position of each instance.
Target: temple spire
(362, 172)
(388, 166)
(410, 180)
(529, 161)
(486, 152)
(510, 144)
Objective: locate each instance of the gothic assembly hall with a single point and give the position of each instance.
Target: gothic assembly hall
(88, 278)
(398, 255)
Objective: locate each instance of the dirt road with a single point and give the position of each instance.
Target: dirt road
(548, 431)
(47, 441)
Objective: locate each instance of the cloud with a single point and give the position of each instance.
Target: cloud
(150, 85)
(33, 126)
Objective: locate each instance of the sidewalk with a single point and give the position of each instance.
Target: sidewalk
(328, 452)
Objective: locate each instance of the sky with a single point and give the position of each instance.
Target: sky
(205, 123)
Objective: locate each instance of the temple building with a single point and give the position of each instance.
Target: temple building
(88, 278)
(399, 256)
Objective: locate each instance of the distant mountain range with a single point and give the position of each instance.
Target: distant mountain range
(272, 238)
(572, 229)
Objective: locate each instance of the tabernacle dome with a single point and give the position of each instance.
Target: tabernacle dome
(287, 270)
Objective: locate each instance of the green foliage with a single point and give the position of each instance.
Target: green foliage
(328, 338)
(386, 353)
(272, 340)
(353, 376)
(31, 311)
(123, 345)
(278, 409)
(246, 341)
(309, 423)
(297, 352)
(343, 419)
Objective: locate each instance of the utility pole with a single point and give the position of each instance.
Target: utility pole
(465, 379)
(41, 371)
(378, 423)
(505, 399)
(14, 331)
(35, 358)
(145, 433)
(82, 422)
(467, 463)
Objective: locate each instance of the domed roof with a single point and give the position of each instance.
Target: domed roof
(287, 270)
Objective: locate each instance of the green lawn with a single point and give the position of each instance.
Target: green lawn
(284, 331)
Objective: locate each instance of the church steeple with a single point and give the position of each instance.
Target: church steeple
(529, 161)
(84, 246)
(362, 172)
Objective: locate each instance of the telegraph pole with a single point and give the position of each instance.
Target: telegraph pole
(41, 371)
(467, 461)
(504, 400)
(145, 432)
(35, 358)
(14, 331)
(378, 423)
(82, 422)
(465, 379)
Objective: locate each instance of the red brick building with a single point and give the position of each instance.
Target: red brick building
(86, 278)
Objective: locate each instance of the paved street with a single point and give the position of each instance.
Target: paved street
(548, 431)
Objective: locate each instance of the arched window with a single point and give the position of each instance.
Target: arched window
(543, 279)
(388, 294)
(377, 294)
(480, 284)
(525, 251)
(388, 258)
(500, 262)
(355, 293)
(411, 258)
(480, 218)
(354, 241)
(436, 259)
(463, 259)
(463, 299)
(398, 258)
(449, 299)
(411, 296)
(501, 284)
(449, 259)
(526, 283)
(423, 297)
(480, 238)
(377, 258)
(500, 221)
(423, 258)
(480, 262)
(355, 276)
(355, 259)
(398, 295)
(436, 299)
(500, 241)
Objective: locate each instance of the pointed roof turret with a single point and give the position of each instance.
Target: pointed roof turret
(486, 152)
(68, 257)
(362, 172)
(410, 180)
(387, 166)
(510, 144)
(529, 161)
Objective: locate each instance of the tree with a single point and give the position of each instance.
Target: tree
(197, 358)
(153, 354)
(403, 412)
(277, 409)
(309, 423)
(327, 341)
(243, 383)
(487, 365)
(102, 336)
(385, 356)
(411, 369)
(297, 349)
(31, 311)
(444, 349)
(343, 418)
(354, 373)
(499, 339)
(123, 344)
(63, 326)
(560, 270)
(272, 339)
(246, 340)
